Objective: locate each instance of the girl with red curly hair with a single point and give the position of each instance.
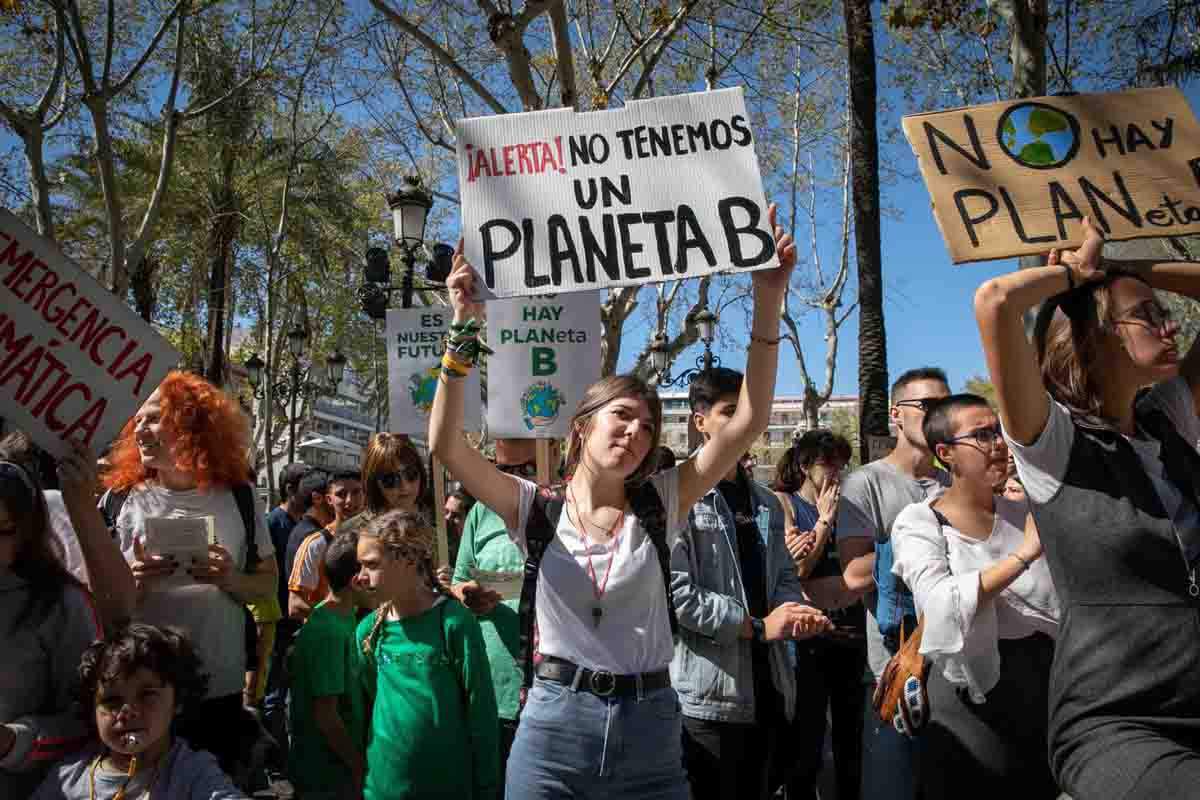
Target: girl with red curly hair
(183, 455)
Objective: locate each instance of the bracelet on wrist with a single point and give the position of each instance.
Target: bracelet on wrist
(1025, 565)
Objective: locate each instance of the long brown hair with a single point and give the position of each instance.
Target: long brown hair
(597, 396)
(1069, 333)
(39, 557)
(408, 536)
(388, 452)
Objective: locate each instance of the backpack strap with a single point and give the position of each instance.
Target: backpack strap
(243, 494)
(540, 529)
(652, 516)
(110, 506)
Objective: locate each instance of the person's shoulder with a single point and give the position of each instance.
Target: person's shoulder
(200, 773)
(364, 626)
(914, 516)
(766, 496)
(457, 616)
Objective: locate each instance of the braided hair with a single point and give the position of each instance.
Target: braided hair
(404, 535)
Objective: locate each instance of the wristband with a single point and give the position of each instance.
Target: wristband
(1070, 277)
(1024, 564)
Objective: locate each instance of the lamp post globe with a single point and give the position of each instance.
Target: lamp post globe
(410, 206)
(336, 364)
(254, 367)
(297, 340)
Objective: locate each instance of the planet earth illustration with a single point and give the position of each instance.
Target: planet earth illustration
(540, 404)
(1038, 136)
(422, 386)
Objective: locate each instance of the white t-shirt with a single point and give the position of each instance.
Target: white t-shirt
(634, 632)
(213, 619)
(1042, 464)
(962, 633)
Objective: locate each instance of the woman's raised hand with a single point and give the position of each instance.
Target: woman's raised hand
(785, 249)
(1085, 263)
(461, 286)
(827, 501)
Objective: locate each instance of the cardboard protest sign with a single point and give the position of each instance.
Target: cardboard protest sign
(75, 362)
(561, 201)
(1017, 177)
(547, 352)
(415, 343)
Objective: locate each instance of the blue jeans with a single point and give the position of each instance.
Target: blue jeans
(889, 758)
(573, 744)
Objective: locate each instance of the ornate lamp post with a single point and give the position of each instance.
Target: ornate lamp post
(660, 353)
(297, 385)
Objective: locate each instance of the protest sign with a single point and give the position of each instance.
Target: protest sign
(415, 338)
(562, 201)
(547, 352)
(75, 362)
(1017, 177)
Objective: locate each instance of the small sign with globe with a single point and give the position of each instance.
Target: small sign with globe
(1018, 177)
(414, 364)
(540, 404)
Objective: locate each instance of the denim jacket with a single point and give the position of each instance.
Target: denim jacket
(712, 668)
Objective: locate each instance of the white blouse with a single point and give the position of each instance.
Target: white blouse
(633, 634)
(942, 567)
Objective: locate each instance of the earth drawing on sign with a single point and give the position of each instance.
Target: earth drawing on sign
(422, 386)
(1038, 136)
(540, 405)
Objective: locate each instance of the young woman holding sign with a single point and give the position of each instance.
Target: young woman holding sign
(1113, 479)
(602, 718)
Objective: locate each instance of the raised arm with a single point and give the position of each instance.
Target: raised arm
(1000, 304)
(490, 486)
(702, 471)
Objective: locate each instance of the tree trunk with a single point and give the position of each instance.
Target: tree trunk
(39, 184)
(223, 229)
(141, 282)
(864, 160)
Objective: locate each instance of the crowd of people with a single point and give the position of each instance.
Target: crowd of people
(640, 627)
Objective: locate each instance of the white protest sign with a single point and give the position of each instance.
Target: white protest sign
(547, 352)
(415, 343)
(75, 361)
(663, 189)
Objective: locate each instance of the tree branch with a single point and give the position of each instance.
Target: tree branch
(60, 68)
(564, 58)
(667, 35)
(110, 32)
(145, 57)
(438, 52)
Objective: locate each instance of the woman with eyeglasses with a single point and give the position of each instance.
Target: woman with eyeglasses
(975, 569)
(1113, 480)
(46, 622)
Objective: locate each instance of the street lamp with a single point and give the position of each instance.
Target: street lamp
(410, 205)
(296, 386)
(660, 352)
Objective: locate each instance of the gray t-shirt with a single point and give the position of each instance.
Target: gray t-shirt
(872, 497)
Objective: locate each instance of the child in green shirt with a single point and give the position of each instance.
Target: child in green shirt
(328, 710)
(434, 729)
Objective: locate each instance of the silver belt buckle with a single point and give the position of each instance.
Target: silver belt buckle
(602, 683)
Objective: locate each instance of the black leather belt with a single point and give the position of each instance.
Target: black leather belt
(601, 683)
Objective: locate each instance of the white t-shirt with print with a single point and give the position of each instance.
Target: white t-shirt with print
(213, 619)
(634, 632)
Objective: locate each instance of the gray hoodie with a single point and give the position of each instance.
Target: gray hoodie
(183, 774)
(39, 662)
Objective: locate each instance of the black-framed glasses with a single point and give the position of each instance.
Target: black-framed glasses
(922, 403)
(1150, 313)
(390, 480)
(984, 438)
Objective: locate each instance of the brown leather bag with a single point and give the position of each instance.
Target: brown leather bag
(900, 698)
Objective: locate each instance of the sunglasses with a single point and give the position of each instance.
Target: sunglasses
(984, 438)
(390, 480)
(525, 470)
(922, 403)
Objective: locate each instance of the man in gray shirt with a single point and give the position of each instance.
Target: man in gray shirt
(872, 498)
